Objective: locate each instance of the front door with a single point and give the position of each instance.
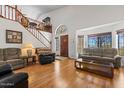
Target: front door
(64, 46)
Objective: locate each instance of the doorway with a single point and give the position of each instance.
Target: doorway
(64, 45)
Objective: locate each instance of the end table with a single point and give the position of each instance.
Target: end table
(27, 59)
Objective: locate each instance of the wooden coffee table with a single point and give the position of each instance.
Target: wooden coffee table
(104, 69)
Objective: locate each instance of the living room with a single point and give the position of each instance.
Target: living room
(65, 31)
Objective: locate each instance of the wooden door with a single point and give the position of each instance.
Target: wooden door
(64, 46)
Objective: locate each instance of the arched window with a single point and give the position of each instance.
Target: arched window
(61, 29)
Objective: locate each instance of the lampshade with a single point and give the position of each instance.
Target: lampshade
(27, 49)
(29, 45)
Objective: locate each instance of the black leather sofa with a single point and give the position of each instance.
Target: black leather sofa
(46, 58)
(9, 79)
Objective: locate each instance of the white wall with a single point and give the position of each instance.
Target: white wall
(80, 17)
(27, 37)
(29, 11)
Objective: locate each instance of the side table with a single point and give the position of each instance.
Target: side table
(27, 59)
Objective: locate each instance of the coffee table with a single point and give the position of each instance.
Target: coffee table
(104, 69)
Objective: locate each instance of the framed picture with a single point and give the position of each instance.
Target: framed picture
(13, 37)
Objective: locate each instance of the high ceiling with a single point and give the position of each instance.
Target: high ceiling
(34, 11)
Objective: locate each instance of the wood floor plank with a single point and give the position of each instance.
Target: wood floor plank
(62, 74)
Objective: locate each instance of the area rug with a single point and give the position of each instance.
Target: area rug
(60, 58)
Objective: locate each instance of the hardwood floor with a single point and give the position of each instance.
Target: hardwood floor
(62, 74)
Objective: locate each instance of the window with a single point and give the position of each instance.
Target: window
(92, 41)
(57, 43)
(103, 40)
(80, 44)
(121, 43)
(62, 29)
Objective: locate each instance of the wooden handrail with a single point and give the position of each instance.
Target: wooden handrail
(34, 20)
(10, 6)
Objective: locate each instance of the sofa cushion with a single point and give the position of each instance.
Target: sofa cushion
(98, 58)
(42, 50)
(109, 52)
(1, 55)
(9, 57)
(15, 61)
(11, 53)
(97, 51)
(1, 51)
(87, 51)
(86, 57)
(107, 59)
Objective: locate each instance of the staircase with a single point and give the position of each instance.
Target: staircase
(12, 13)
(38, 35)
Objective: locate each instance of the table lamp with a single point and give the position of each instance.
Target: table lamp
(28, 48)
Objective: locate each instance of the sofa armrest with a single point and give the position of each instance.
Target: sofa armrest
(13, 80)
(24, 59)
(5, 69)
(117, 61)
